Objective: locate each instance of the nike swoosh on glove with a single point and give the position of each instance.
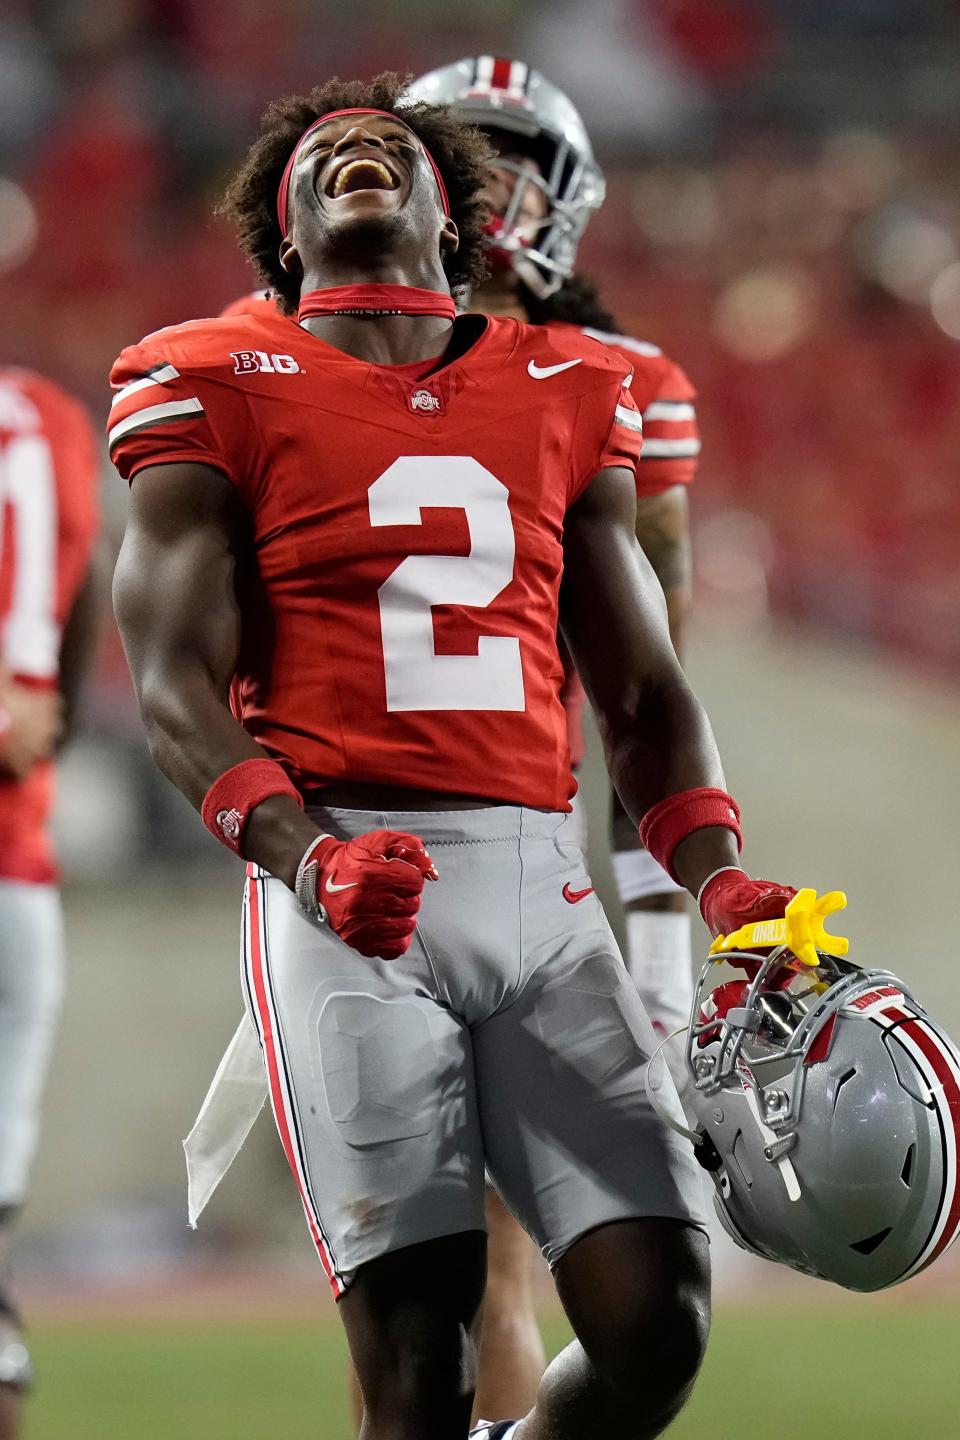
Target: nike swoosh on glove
(369, 888)
(731, 899)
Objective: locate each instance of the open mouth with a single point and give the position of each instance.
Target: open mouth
(365, 174)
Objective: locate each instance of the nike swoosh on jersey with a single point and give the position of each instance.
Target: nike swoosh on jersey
(335, 889)
(572, 896)
(543, 372)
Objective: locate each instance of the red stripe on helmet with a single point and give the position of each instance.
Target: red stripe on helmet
(500, 80)
(944, 1067)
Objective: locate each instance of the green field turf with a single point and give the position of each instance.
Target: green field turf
(885, 1373)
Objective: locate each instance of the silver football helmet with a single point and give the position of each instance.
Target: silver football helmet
(506, 95)
(827, 1108)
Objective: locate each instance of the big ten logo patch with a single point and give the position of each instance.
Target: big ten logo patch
(249, 362)
(425, 402)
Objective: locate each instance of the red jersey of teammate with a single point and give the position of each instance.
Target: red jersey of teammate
(671, 445)
(665, 398)
(49, 479)
(408, 533)
(258, 302)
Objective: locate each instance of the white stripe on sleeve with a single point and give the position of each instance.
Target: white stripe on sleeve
(607, 337)
(629, 418)
(160, 376)
(154, 414)
(669, 449)
(670, 410)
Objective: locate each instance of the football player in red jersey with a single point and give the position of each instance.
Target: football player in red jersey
(49, 482)
(542, 188)
(339, 592)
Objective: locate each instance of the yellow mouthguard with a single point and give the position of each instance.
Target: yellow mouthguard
(801, 929)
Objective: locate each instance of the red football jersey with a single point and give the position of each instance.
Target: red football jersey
(49, 483)
(665, 398)
(671, 446)
(408, 535)
(258, 302)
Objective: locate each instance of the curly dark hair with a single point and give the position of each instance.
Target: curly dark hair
(461, 151)
(575, 303)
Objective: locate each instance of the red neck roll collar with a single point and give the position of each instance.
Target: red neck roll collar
(375, 300)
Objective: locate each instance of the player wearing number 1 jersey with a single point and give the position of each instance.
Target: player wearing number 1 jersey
(339, 592)
(49, 480)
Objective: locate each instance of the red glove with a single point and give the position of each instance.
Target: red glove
(718, 1004)
(731, 899)
(368, 889)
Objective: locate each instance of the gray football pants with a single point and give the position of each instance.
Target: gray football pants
(509, 1035)
(31, 988)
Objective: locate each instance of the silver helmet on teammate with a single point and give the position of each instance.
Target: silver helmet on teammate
(827, 1108)
(506, 95)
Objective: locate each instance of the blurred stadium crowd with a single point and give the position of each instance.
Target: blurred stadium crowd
(783, 215)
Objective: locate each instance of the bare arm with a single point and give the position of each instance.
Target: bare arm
(176, 605)
(663, 530)
(656, 736)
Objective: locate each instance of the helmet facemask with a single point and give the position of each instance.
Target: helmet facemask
(543, 252)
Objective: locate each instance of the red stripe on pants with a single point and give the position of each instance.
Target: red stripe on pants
(276, 1088)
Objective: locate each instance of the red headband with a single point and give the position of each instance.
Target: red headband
(283, 192)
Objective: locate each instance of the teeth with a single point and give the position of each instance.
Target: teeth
(344, 174)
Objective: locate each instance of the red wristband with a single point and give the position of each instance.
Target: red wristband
(669, 823)
(232, 798)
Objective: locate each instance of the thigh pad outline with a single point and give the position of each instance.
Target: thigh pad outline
(377, 1061)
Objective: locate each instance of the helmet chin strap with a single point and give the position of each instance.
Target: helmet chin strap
(695, 1136)
(770, 1142)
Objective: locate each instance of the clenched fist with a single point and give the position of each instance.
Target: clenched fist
(368, 889)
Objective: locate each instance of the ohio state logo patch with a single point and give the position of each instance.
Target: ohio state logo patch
(228, 822)
(426, 402)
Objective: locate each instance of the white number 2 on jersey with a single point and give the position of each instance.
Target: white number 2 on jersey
(417, 677)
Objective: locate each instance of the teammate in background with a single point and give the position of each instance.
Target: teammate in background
(355, 532)
(49, 483)
(543, 186)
